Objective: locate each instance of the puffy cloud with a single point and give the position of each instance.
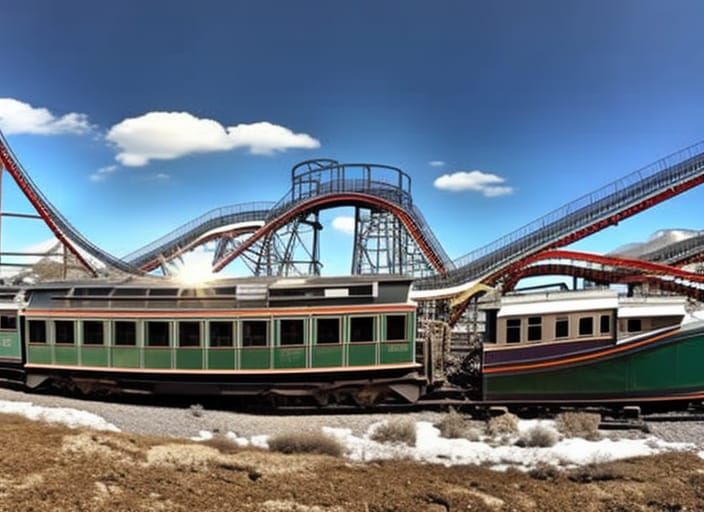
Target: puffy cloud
(169, 135)
(102, 173)
(436, 163)
(18, 117)
(344, 224)
(488, 184)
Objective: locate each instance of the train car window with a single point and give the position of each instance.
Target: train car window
(158, 334)
(396, 327)
(586, 326)
(292, 332)
(189, 334)
(562, 327)
(634, 325)
(513, 330)
(605, 324)
(64, 332)
(37, 331)
(535, 328)
(125, 333)
(221, 334)
(129, 292)
(254, 333)
(362, 328)
(328, 330)
(93, 333)
(8, 322)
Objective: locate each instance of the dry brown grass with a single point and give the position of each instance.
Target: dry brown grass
(398, 430)
(306, 442)
(579, 424)
(539, 436)
(504, 425)
(454, 426)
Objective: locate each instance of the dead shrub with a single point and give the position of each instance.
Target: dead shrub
(504, 425)
(538, 436)
(222, 444)
(579, 424)
(454, 426)
(593, 473)
(306, 442)
(396, 431)
(196, 410)
(544, 472)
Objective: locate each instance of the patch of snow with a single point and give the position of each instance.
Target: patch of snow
(72, 418)
(203, 435)
(431, 447)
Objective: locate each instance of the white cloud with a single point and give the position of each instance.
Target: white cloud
(18, 117)
(169, 135)
(344, 224)
(488, 184)
(102, 173)
(436, 163)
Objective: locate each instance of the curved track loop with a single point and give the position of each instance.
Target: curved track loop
(69, 236)
(409, 221)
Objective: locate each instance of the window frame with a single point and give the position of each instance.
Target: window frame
(339, 319)
(9, 329)
(113, 340)
(385, 332)
(29, 331)
(147, 340)
(558, 321)
(102, 333)
(606, 317)
(267, 335)
(54, 326)
(233, 334)
(199, 337)
(280, 321)
(512, 328)
(532, 327)
(581, 334)
(375, 323)
(628, 325)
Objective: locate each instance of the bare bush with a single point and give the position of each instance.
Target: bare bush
(504, 425)
(196, 410)
(454, 426)
(539, 436)
(579, 424)
(396, 431)
(222, 444)
(306, 442)
(544, 472)
(594, 473)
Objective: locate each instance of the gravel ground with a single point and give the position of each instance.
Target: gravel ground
(182, 421)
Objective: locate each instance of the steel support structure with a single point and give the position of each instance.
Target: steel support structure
(382, 245)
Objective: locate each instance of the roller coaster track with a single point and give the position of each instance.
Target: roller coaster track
(68, 235)
(590, 213)
(607, 269)
(321, 184)
(228, 220)
(679, 253)
(334, 184)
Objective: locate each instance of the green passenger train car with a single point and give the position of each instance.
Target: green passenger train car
(336, 339)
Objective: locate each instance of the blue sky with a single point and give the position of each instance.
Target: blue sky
(557, 98)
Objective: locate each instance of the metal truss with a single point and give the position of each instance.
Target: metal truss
(292, 250)
(382, 245)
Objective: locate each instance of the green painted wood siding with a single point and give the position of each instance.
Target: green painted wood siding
(273, 356)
